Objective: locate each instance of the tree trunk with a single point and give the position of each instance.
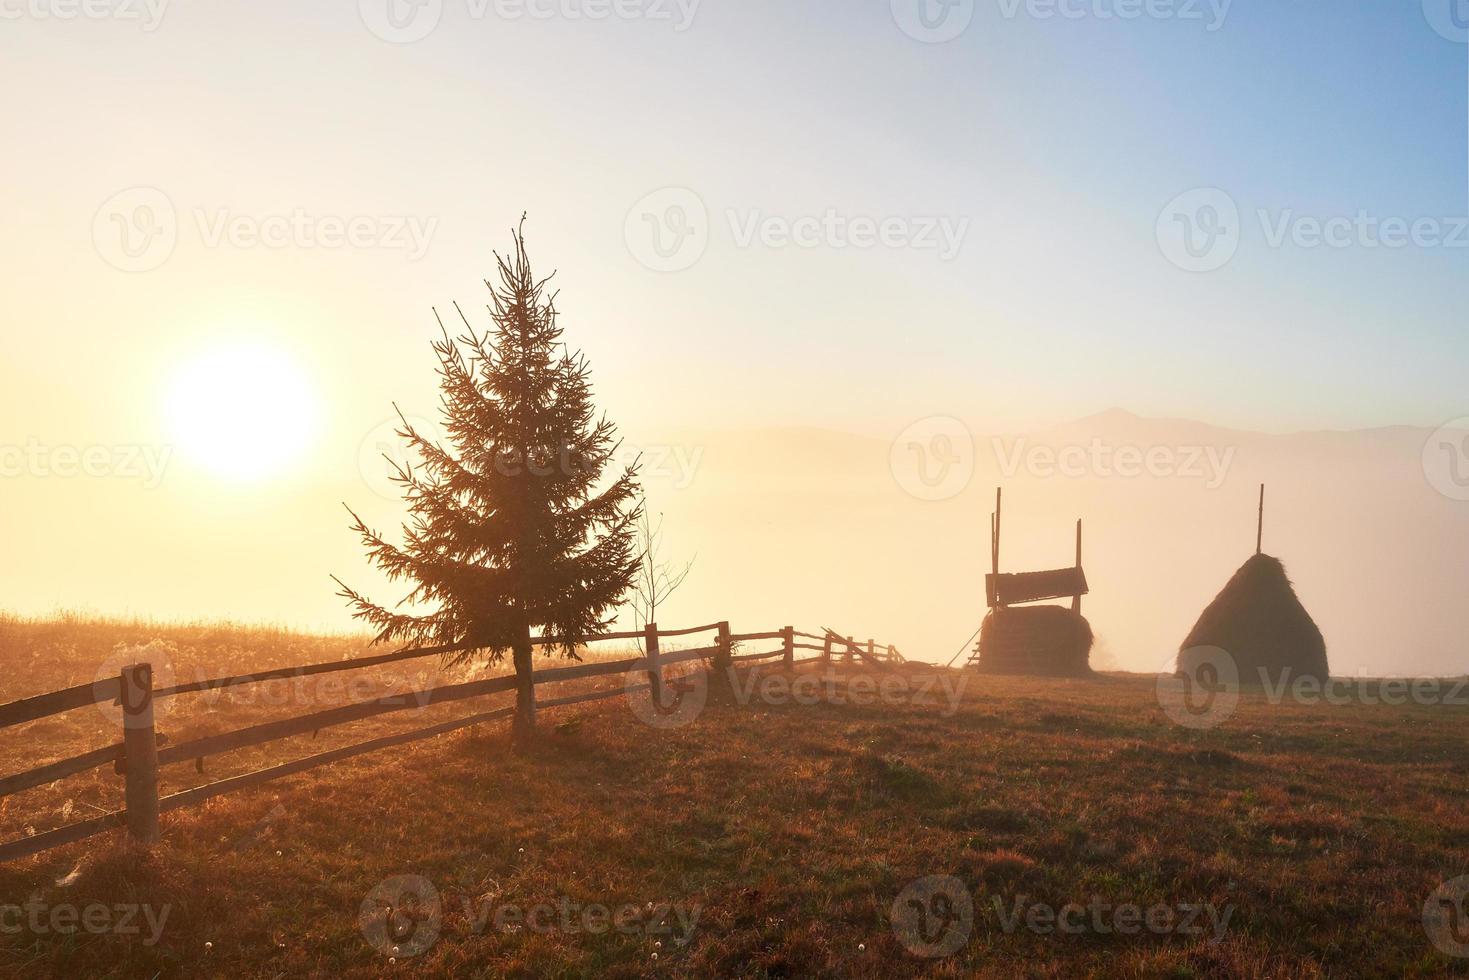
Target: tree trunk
(524, 727)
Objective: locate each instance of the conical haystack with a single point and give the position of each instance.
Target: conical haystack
(1044, 641)
(1258, 620)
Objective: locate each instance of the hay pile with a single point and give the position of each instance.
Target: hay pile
(1045, 641)
(1259, 621)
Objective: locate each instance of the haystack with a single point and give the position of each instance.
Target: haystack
(1046, 641)
(1260, 622)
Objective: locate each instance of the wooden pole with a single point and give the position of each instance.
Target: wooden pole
(523, 728)
(723, 666)
(655, 672)
(788, 636)
(140, 753)
(871, 650)
(826, 649)
(848, 655)
(997, 530)
(1260, 522)
(1076, 599)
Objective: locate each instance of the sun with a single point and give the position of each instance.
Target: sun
(243, 411)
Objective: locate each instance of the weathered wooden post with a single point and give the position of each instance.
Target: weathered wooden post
(826, 650)
(655, 672)
(788, 637)
(140, 753)
(871, 650)
(723, 666)
(847, 654)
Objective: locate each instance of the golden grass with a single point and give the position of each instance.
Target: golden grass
(790, 828)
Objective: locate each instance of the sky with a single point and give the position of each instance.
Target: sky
(225, 228)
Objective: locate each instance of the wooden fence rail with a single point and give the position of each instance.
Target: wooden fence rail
(141, 752)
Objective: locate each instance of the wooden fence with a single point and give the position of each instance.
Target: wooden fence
(137, 756)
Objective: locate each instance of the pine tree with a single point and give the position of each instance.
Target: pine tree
(513, 527)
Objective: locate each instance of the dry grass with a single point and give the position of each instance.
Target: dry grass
(790, 828)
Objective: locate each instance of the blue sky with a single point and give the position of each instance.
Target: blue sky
(1055, 142)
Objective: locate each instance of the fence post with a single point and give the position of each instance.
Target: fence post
(723, 666)
(871, 651)
(826, 650)
(655, 672)
(788, 635)
(847, 654)
(140, 753)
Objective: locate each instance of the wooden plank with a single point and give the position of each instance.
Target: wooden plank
(55, 702)
(683, 656)
(808, 646)
(810, 636)
(742, 658)
(270, 731)
(51, 772)
(199, 794)
(1055, 583)
(773, 635)
(308, 670)
(592, 695)
(689, 629)
(36, 843)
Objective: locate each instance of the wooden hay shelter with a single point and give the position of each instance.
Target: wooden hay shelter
(1017, 638)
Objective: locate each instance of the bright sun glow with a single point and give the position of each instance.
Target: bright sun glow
(245, 411)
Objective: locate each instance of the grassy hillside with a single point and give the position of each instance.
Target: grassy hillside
(763, 839)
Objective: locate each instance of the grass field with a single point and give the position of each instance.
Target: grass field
(767, 838)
